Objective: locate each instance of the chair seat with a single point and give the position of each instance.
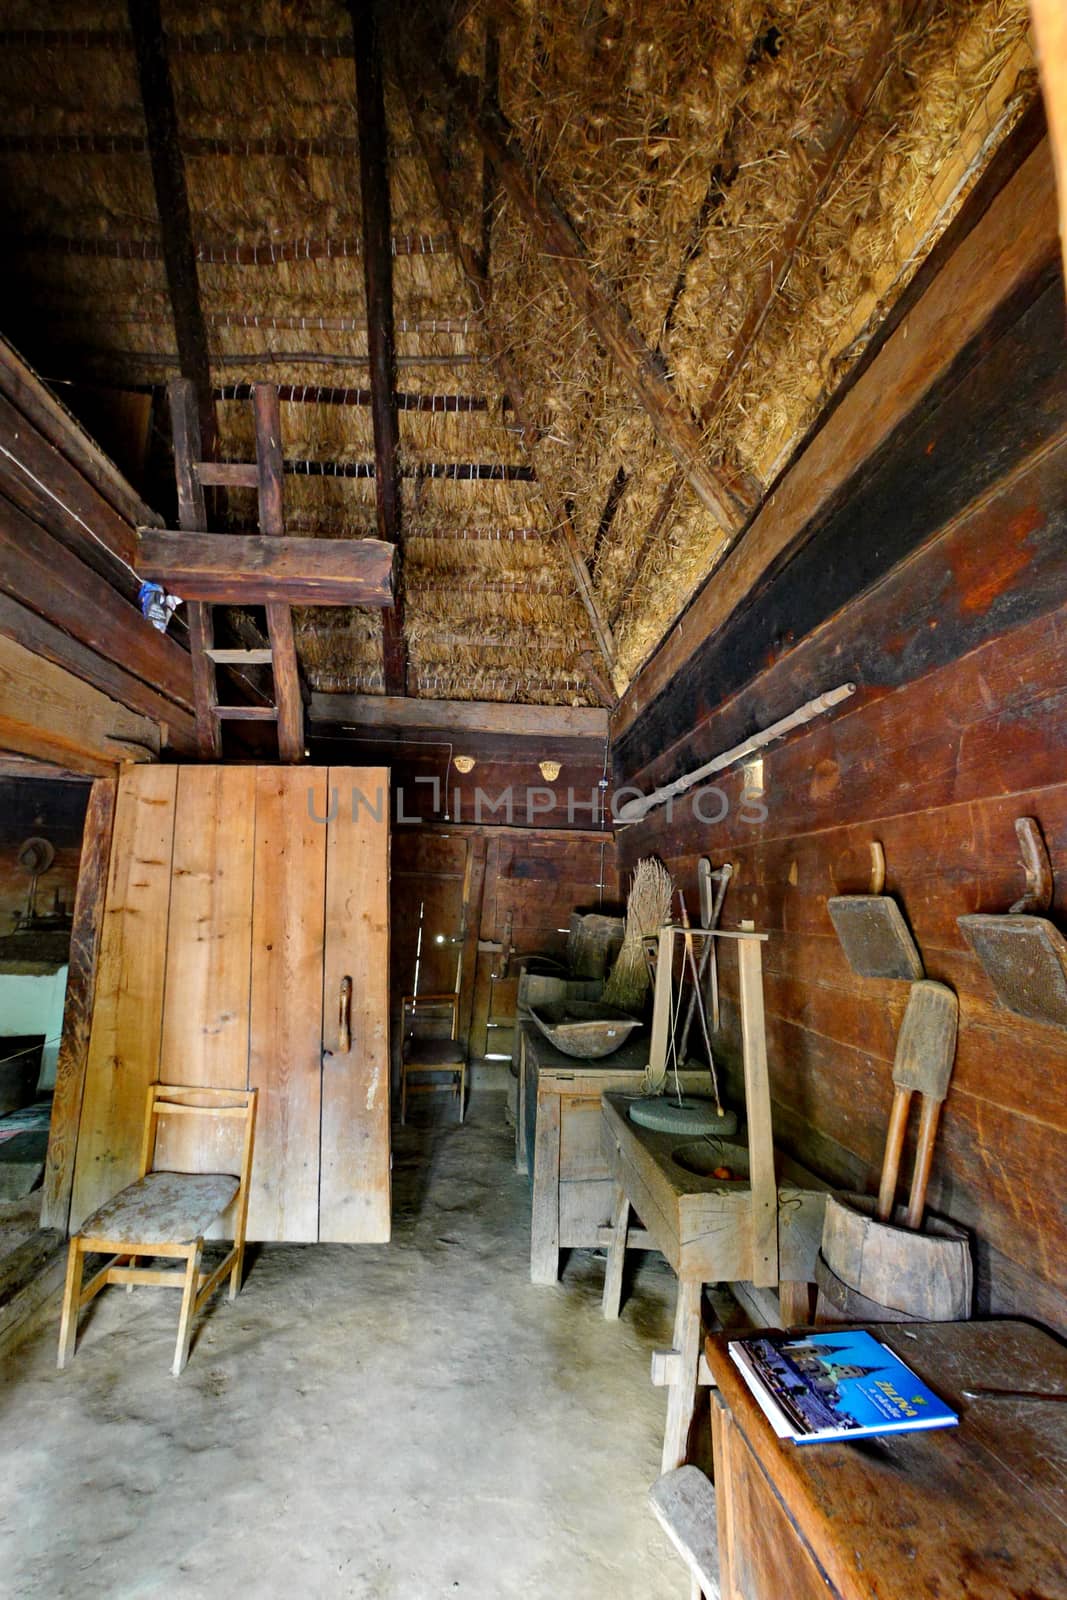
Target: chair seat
(162, 1208)
(434, 1053)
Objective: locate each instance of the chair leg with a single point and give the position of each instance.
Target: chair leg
(185, 1323)
(132, 1262)
(238, 1271)
(68, 1326)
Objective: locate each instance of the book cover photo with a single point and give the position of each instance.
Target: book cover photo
(835, 1385)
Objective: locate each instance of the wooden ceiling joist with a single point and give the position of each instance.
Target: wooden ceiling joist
(242, 568)
(479, 286)
(378, 281)
(557, 240)
(390, 712)
(172, 205)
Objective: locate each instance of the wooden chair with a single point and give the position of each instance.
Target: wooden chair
(422, 1055)
(165, 1214)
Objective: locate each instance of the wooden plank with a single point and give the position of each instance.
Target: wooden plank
(271, 485)
(373, 711)
(764, 1185)
(236, 567)
(128, 1007)
(378, 289)
(38, 478)
(227, 474)
(192, 514)
(40, 574)
(544, 1220)
(204, 1034)
(473, 890)
(56, 424)
(354, 1183)
(1016, 238)
(50, 715)
(285, 1059)
(85, 941)
(172, 205)
(18, 622)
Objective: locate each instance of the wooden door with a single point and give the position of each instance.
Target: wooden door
(238, 899)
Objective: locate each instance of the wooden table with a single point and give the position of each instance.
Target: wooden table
(710, 1231)
(558, 1119)
(977, 1512)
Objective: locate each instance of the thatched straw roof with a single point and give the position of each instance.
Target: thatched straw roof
(683, 142)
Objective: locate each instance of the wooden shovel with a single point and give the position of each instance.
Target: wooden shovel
(926, 1049)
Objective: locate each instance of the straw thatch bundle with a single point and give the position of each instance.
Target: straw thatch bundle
(648, 907)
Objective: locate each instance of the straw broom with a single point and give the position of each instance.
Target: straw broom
(647, 909)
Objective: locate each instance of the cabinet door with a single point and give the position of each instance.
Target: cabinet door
(354, 1178)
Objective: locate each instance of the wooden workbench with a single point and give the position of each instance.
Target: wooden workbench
(558, 1119)
(977, 1512)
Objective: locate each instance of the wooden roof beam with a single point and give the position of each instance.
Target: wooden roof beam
(172, 204)
(560, 244)
(381, 343)
(239, 568)
(509, 377)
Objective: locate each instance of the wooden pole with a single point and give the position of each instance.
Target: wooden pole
(172, 204)
(378, 278)
(270, 469)
(192, 515)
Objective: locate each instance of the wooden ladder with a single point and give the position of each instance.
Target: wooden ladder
(265, 475)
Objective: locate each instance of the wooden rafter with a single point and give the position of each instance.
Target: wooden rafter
(242, 568)
(271, 488)
(381, 344)
(172, 204)
(643, 370)
(511, 382)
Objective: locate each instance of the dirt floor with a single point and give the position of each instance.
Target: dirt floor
(391, 1422)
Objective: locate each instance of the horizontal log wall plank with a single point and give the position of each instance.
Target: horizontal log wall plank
(49, 714)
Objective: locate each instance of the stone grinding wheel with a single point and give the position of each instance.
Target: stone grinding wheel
(695, 1115)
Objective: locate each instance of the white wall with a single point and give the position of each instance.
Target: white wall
(34, 1004)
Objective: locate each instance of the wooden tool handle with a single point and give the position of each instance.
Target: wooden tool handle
(344, 1017)
(924, 1155)
(894, 1144)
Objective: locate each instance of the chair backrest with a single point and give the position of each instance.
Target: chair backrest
(180, 1100)
(426, 1003)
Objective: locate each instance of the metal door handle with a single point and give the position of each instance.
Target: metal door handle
(344, 1017)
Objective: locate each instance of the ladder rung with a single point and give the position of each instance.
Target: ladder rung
(241, 658)
(227, 474)
(246, 713)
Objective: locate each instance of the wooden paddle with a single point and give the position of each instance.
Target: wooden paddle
(926, 1049)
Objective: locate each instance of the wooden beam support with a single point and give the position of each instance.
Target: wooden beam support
(172, 204)
(245, 569)
(192, 514)
(556, 238)
(378, 280)
(287, 695)
(78, 1005)
(509, 376)
(49, 714)
(448, 717)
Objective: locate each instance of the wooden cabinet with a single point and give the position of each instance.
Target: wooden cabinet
(239, 901)
(961, 1513)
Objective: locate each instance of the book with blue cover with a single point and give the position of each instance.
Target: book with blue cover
(840, 1384)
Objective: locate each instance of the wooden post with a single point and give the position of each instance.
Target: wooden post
(192, 516)
(762, 1180)
(271, 484)
(172, 204)
(378, 277)
(78, 1006)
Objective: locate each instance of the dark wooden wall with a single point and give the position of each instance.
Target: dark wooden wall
(936, 580)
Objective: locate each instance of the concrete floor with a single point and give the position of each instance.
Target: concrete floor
(412, 1420)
